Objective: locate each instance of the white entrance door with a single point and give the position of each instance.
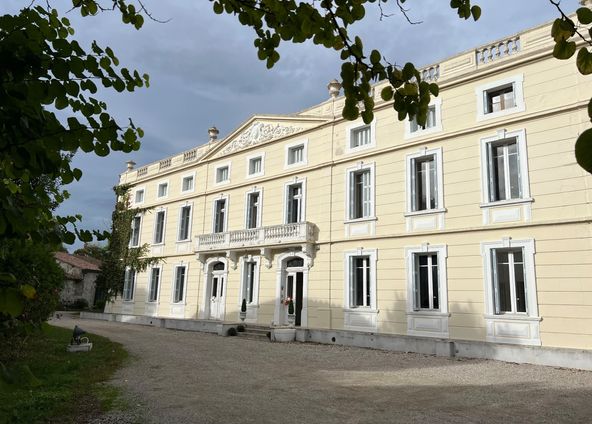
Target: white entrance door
(217, 296)
(292, 289)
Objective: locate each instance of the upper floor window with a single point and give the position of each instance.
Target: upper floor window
(222, 174)
(424, 181)
(255, 165)
(360, 192)
(500, 98)
(135, 236)
(139, 198)
(184, 223)
(179, 284)
(129, 282)
(296, 153)
(159, 225)
(220, 215)
(360, 136)
(253, 209)
(504, 167)
(294, 202)
(187, 183)
(433, 121)
(163, 190)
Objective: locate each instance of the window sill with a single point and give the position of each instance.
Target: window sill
(429, 313)
(352, 150)
(178, 303)
(148, 302)
(361, 309)
(128, 301)
(183, 241)
(158, 244)
(260, 174)
(493, 115)
(358, 220)
(426, 212)
(506, 203)
(513, 317)
(421, 133)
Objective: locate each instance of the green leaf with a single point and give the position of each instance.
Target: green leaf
(387, 93)
(584, 61)
(434, 89)
(11, 302)
(28, 291)
(584, 15)
(584, 150)
(476, 12)
(564, 49)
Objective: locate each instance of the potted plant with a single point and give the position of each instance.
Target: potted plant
(291, 314)
(243, 310)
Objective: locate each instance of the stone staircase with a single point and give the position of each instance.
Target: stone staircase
(255, 332)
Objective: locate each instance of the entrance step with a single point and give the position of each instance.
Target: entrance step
(255, 332)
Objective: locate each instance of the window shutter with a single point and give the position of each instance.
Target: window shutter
(366, 190)
(496, 299)
(352, 195)
(490, 173)
(415, 277)
(413, 183)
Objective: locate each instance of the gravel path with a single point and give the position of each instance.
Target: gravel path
(185, 377)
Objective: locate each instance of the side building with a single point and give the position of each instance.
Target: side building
(474, 228)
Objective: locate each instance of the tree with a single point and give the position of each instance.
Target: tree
(119, 255)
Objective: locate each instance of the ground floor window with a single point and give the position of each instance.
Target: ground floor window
(179, 284)
(508, 280)
(361, 279)
(154, 284)
(129, 282)
(426, 285)
(250, 277)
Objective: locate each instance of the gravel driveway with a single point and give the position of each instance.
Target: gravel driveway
(185, 377)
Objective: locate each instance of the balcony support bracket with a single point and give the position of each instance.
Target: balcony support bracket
(266, 253)
(232, 255)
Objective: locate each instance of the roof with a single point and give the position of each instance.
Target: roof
(86, 264)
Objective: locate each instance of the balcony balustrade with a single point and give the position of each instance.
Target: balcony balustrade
(300, 232)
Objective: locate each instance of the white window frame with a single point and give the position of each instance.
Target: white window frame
(139, 231)
(426, 322)
(481, 91)
(355, 126)
(219, 166)
(174, 284)
(349, 173)
(137, 190)
(183, 177)
(227, 199)
(126, 281)
(183, 205)
(295, 180)
(157, 300)
(437, 103)
(373, 257)
(259, 209)
(161, 183)
(257, 260)
(157, 211)
(410, 178)
(520, 136)
(304, 143)
(261, 173)
(518, 328)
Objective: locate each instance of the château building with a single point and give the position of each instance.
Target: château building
(474, 231)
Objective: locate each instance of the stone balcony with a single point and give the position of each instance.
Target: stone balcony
(303, 234)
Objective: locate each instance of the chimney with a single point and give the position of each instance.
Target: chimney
(213, 133)
(334, 88)
(130, 165)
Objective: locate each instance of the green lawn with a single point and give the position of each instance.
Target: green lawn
(63, 386)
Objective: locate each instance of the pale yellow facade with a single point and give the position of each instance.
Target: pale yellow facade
(364, 273)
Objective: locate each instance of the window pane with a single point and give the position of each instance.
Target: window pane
(359, 281)
(250, 283)
(136, 231)
(424, 296)
(503, 282)
(184, 224)
(219, 216)
(295, 154)
(514, 170)
(139, 196)
(520, 288)
(360, 136)
(361, 201)
(432, 172)
(162, 190)
(294, 203)
(179, 284)
(187, 183)
(159, 230)
(252, 210)
(499, 192)
(435, 284)
(255, 166)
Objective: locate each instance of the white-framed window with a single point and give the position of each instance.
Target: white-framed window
(185, 215)
(129, 284)
(220, 215)
(256, 165)
(425, 186)
(159, 226)
(162, 190)
(188, 183)
(360, 279)
(360, 136)
(427, 290)
(499, 98)
(254, 203)
(296, 153)
(139, 196)
(135, 233)
(250, 280)
(154, 286)
(180, 284)
(510, 291)
(295, 201)
(504, 167)
(222, 173)
(433, 123)
(360, 192)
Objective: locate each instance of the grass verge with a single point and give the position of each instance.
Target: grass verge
(61, 386)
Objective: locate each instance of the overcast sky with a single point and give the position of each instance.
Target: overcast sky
(204, 71)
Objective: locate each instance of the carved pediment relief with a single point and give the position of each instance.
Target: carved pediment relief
(258, 132)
